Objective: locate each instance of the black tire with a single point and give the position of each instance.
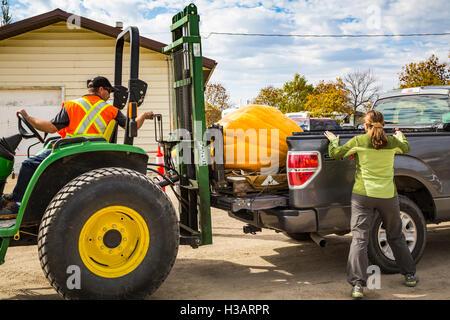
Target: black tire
(298, 236)
(375, 253)
(76, 203)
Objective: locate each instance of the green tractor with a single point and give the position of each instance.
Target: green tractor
(104, 229)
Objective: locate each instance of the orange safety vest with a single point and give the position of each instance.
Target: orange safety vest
(89, 116)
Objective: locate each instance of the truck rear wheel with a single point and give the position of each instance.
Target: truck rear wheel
(111, 233)
(414, 230)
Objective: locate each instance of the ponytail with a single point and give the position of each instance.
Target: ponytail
(375, 122)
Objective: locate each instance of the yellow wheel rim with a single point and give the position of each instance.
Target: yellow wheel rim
(114, 241)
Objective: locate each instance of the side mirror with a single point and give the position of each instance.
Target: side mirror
(120, 97)
(138, 89)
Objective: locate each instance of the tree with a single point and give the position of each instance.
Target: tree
(270, 96)
(294, 94)
(6, 17)
(212, 114)
(216, 100)
(425, 73)
(362, 89)
(330, 99)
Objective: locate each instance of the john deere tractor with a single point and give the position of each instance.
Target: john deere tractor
(103, 228)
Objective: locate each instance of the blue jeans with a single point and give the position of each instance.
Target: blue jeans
(26, 172)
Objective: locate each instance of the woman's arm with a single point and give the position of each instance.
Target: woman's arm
(337, 152)
(401, 141)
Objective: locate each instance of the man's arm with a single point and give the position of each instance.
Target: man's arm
(142, 117)
(41, 125)
(121, 119)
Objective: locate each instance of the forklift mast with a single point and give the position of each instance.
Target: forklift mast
(189, 126)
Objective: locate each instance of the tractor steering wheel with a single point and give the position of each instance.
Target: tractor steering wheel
(24, 133)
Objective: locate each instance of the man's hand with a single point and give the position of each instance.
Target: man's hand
(144, 116)
(24, 113)
(149, 115)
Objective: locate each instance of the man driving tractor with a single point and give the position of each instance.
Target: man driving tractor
(87, 116)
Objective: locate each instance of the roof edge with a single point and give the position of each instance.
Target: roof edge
(58, 15)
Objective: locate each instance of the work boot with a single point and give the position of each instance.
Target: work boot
(10, 211)
(411, 280)
(358, 291)
(4, 200)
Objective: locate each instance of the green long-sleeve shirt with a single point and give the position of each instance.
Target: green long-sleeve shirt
(374, 176)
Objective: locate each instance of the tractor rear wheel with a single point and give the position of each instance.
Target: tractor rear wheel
(111, 233)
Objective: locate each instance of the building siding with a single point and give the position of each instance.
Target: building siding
(58, 56)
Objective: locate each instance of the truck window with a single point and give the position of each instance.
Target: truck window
(324, 124)
(303, 123)
(414, 109)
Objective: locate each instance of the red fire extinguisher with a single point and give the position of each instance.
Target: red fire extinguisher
(160, 160)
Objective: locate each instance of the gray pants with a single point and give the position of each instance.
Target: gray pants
(363, 214)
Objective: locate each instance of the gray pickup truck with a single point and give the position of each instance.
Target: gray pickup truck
(318, 200)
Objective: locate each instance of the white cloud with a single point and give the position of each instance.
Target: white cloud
(247, 64)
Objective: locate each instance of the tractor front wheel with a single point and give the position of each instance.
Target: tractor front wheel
(111, 233)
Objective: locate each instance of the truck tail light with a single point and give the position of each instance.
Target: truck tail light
(302, 167)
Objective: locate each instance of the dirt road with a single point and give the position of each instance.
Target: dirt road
(267, 265)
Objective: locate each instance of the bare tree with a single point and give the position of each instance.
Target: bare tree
(363, 89)
(6, 17)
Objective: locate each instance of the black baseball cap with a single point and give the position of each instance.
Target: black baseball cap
(100, 82)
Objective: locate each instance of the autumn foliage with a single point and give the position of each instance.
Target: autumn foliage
(425, 73)
(329, 99)
(216, 100)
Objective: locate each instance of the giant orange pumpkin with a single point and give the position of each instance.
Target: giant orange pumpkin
(255, 138)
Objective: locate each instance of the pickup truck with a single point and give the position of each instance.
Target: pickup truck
(317, 202)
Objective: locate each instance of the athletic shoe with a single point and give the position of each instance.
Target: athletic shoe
(411, 280)
(9, 212)
(357, 291)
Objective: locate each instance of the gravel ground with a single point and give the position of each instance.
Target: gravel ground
(267, 265)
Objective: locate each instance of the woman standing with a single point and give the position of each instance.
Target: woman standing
(374, 189)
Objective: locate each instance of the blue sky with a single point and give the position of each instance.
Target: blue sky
(247, 64)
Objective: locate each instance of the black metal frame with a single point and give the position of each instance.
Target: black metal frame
(132, 97)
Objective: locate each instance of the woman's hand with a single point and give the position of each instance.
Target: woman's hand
(397, 132)
(330, 135)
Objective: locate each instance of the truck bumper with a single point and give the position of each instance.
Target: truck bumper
(290, 221)
(268, 211)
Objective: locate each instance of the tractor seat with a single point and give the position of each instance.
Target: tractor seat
(109, 130)
(56, 142)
